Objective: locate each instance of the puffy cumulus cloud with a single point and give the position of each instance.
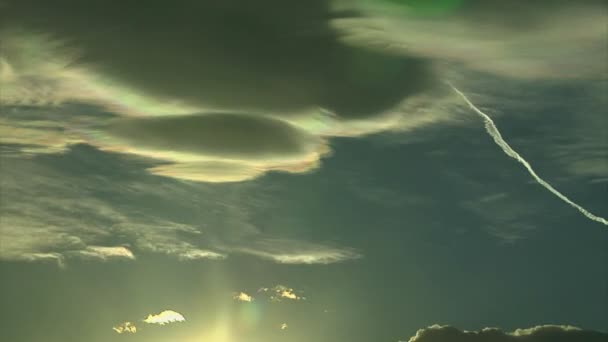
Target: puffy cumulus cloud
(164, 317)
(521, 39)
(543, 333)
(242, 297)
(126, 327)
(280, 292)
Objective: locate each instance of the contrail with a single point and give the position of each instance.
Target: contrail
(495, 134)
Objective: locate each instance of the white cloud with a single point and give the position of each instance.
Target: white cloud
(195, 254)
(242, 297)
(104, 253)
(286, 251)
(164, 317)
(281, 292)
(126, 327)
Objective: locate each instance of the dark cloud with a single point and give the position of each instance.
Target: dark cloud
(275, 56)
(546, 333)
(217, 135)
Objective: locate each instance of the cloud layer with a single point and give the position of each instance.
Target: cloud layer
(271, 56)
(543, 333)
(88, 204)
(218, 100)
(517, 39)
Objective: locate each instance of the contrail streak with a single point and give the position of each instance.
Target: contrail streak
(495, 134)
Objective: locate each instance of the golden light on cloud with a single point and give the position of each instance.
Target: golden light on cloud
(126, 327)
(104, 253)
(165, 317)
(280, 292)
(242, 297)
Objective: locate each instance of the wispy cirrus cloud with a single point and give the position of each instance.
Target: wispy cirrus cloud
(86, 203)
(519, 39)
(287, 251)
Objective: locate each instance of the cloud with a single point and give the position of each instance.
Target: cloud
(164, 317)
(230, 136)
(280, 292)
(298, 74)
(520, 39)
(217, 147)
(126, 327)
(242, 297)
(104, 253)
(248, 108)
(284, 326)
(284, 50)
(544, 333)
(87, 203)
(192, 253)
(287, 251)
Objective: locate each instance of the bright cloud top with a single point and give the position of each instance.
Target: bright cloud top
(104, 253)
(280, 292)
(242, 297)
(164, 317)
(126, 327)
(543, 333)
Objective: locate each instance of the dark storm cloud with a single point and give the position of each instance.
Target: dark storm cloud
(217, 135)
(546, 333)
(275, 56)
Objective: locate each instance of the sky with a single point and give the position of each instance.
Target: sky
(321, 170)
